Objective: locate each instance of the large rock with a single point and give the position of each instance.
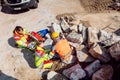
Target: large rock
(75, 37)
(69, 59)
(52, 75)
(64, 25)
(92, 35)
(76, 45)
(74, 28)
(75, 72)
(55, 28)
(93, 67)
(99, 53)
(83, 55)
(105, 73)
(107, 39)
(48, 43)
(83, 30)
(115, 51)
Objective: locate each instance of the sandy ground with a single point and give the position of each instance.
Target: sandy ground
(15, 63)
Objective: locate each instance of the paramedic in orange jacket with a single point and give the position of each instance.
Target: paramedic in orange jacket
(62, 47)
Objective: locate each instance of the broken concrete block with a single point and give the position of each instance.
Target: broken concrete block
(76, 45)
(64, 25)
(55, 28)
(69, 59)
(92, 35)
(93, 67)
(75, 72)
(82, 30)
(108, 39)
(83, 55)
(105, 73)
(74, 28)
(48, 43)
(115, 51)
(103, 35)
(52, 75)
(75, 38)
(98, 52)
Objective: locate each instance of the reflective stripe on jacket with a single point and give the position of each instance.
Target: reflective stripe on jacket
(42, 59)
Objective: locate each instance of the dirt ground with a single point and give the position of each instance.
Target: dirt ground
(17, 63)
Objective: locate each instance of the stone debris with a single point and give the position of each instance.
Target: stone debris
(70, 60)
(92, 35)
(82, 30)
(97, 52)
(48, 43)
(108, 39)
(64, 25)
(74, 28)
(67, 16)
(90, 46)
(83, 55)
(75, 37)
(104, 37)
(105, 73)
(93, 67)
(55, 28)
(115, 51)
(52, 75)
(75, 72)
(76, 45)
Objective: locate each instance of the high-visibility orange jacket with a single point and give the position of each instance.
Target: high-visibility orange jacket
(21, 40)
(62, 48)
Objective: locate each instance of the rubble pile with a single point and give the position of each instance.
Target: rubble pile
(95, 48)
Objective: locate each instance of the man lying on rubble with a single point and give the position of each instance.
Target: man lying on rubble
(22, 36)
(62, 47)
(43, 57)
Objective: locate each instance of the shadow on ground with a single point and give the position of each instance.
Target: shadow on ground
(6, 77)
(29, 57)
(6, 10)
(11, 42)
